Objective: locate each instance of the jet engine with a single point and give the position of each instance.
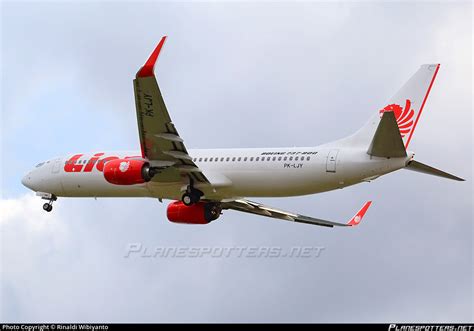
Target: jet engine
(127, 171)
(198, 213)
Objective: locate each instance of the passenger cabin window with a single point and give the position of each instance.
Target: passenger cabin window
(296, 158)
(238, 159)
(227, 159)
(308, 158)
(245, 159)
(279, 158)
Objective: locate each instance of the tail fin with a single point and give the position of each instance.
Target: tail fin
(407, 105)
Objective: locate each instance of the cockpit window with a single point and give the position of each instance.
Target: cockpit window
(39, 164)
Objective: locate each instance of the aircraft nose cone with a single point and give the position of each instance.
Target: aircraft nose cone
(26, 181)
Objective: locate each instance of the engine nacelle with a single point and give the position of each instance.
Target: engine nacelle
(127, 171)
(198, 213)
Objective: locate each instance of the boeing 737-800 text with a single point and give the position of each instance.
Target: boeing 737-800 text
(204, 182)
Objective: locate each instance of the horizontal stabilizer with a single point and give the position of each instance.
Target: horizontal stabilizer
(387, 141)
(426, 169)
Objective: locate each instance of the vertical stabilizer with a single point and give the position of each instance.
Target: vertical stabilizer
(407, 105)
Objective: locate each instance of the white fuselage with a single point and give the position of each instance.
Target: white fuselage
(262, 172)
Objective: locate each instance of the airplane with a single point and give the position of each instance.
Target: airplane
(202, 183)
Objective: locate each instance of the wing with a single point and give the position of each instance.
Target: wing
(159, 139)
(259, 209)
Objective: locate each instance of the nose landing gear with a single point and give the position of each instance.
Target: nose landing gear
(48, 206)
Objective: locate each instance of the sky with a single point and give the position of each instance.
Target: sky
(236, 75)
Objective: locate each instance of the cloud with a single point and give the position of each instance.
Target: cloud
(69, 265)
(236, 75)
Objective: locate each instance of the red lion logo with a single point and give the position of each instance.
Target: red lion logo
(404, 116)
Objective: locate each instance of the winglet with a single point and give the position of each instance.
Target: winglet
(358, 217)
(148, 68)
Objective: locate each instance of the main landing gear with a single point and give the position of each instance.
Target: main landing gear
(192, 195)
(48, 206)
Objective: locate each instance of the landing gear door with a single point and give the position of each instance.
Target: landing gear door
(331, 160)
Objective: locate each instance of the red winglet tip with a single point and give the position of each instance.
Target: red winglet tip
(148, 68)
(360, 214)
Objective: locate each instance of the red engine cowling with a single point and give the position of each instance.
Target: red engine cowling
(198, 213)
(126, 171)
